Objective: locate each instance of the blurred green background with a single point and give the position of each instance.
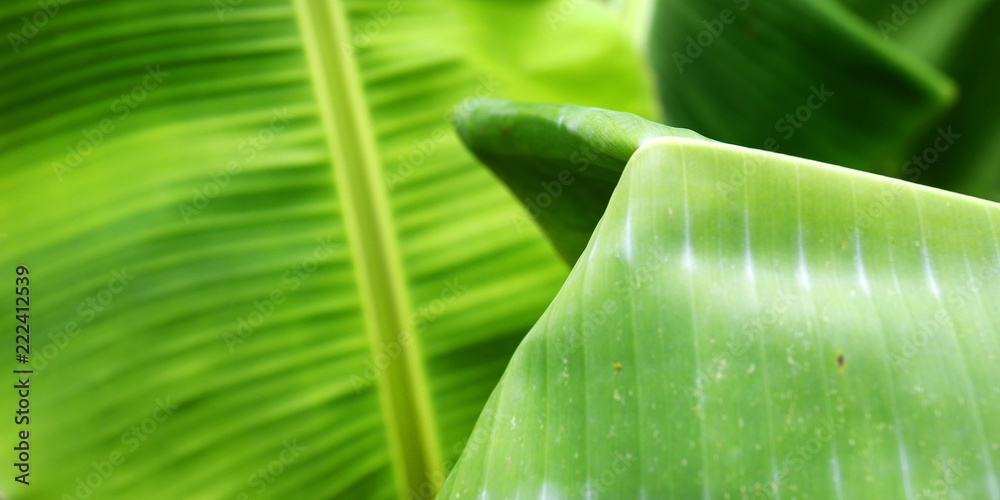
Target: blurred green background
(212, 188)
(262, 263)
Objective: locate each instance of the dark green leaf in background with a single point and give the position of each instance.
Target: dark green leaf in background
(808, 79)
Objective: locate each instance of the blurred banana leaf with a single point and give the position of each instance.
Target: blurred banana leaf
(808, 79)
(261, 263)
(744, 324)
(932, 30)
(894, 77)
(973, 166)
(962, 40)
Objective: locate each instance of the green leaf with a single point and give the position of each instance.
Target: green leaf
(932, 30)
(972, 164)
(250, 228)
(744, 324)
(561, 160)
(958, 37)
(804, 78)
(978, 111)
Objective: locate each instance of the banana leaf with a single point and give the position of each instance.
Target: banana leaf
(961, 39)
(261, 264)
(745, 324)
(809, 79)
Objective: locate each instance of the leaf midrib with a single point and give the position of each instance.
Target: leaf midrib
(371, 234)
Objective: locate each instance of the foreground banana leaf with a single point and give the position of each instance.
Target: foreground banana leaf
(261, 263)
(744, 324)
